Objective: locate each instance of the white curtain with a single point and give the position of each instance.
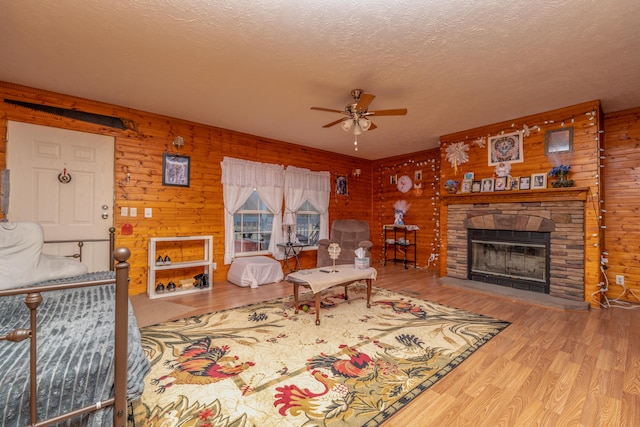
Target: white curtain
(302, 185)
(239, 179)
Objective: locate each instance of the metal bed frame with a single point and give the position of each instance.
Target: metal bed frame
(33, 298)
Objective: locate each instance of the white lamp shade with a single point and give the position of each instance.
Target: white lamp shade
(289, 218)
(365, 124)
(346, 125)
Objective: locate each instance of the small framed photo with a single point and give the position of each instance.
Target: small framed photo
(469, 175)
(514, 183)
(525, 182)
(175, 170)
(558, 140)
(393, 180)
(501, 183)
(341, 185)
(505, 148)
(487, 185)
(476, 186)
(417, 175)
(466, 186)
(539, 180)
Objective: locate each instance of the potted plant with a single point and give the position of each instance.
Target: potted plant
(561, 173)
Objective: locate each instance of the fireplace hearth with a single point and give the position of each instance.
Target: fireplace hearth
(515, 259)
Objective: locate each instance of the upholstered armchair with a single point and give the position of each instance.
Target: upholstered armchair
(350, 234)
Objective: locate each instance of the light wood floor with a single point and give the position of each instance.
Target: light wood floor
(548, 368)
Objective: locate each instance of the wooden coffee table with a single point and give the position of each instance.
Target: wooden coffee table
(319, 279)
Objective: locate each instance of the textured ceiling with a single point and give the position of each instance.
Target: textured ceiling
(258, 66)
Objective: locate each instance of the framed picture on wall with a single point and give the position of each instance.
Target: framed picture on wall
(417, 176)
(341, 185)
(525, 182)
(393, 180)
(539, 180)
(476, 186)
(176, 170)
(558, 140)
(506, 148)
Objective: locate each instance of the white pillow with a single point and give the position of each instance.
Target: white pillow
(21, 259)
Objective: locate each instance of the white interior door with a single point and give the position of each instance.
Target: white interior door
(63, 180)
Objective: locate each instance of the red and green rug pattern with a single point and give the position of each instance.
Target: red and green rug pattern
(263, 365)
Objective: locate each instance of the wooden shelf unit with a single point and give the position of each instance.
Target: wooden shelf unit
(206, 263)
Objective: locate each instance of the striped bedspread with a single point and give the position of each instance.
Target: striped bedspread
(75, 354)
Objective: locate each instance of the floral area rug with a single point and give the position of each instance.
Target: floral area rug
(264, 365)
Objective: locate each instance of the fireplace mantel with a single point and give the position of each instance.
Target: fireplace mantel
(520, 196)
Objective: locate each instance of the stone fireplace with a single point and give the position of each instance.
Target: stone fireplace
(561, 220)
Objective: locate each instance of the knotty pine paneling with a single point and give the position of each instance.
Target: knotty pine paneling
(424, 201)
(584, 160)
(178, 211)
(622, 205)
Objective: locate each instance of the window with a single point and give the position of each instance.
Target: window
(307, 224)
(252, 226)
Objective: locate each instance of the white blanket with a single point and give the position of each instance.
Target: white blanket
(254, 271)
(22, 261)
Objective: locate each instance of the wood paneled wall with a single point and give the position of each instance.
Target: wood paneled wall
(622, 204)
(424, 170)
(178, 211)
(198, 209)
(584, 159)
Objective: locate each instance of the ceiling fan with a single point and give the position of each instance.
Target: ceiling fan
(357, 114)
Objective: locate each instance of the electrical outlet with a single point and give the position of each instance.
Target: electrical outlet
(148, 212)
(619, 279)
(215, 265)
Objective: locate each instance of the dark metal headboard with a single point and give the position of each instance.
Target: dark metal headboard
(80, 243)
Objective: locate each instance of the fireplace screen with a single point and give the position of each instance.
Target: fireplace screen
(509, 258)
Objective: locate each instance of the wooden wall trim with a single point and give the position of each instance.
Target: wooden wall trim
(622, 113)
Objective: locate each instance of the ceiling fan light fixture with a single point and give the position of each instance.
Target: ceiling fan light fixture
(356, 114)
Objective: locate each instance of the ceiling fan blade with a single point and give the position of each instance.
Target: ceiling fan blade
(328, 125)
(373, 126)
(364, 101)
(327, 109)
(396, 112)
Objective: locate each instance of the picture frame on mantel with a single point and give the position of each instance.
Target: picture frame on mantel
(558, 140)
(505, 148)
(176, 170)
(538, 181)
(501, 183)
